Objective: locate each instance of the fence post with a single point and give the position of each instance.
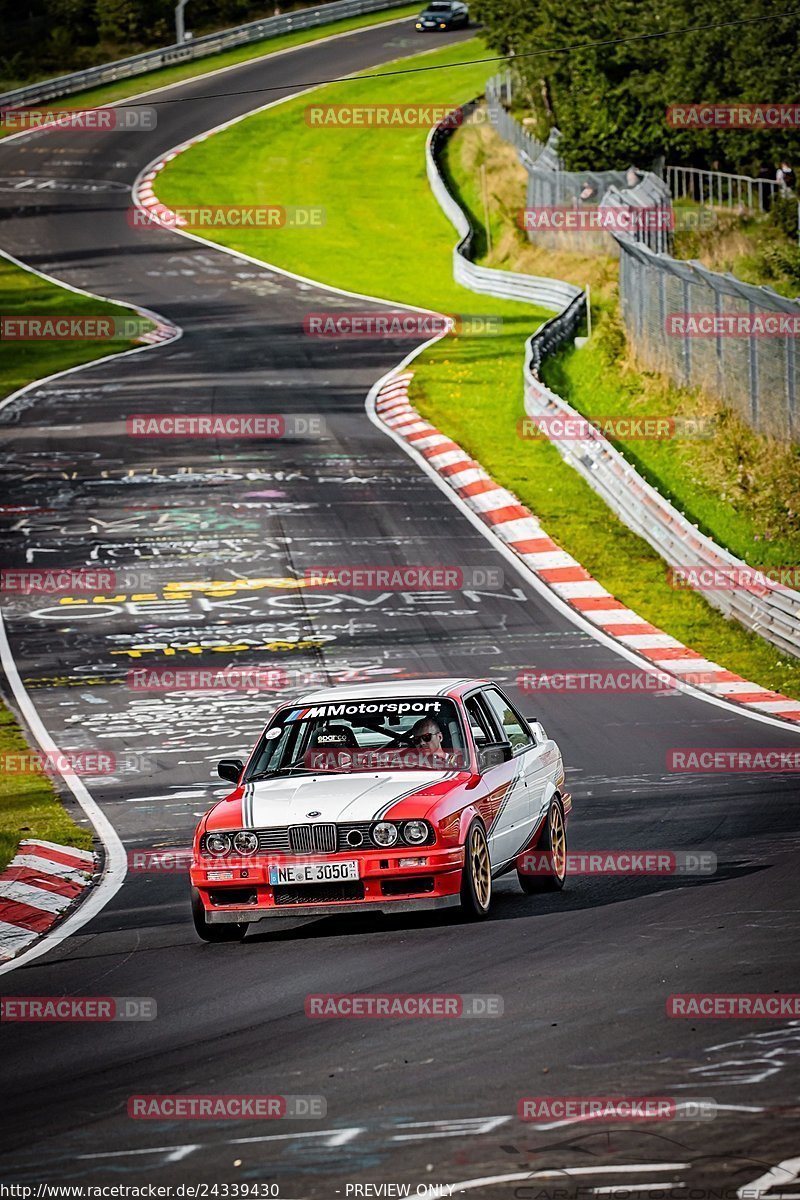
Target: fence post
(753, 368)
(687, 367)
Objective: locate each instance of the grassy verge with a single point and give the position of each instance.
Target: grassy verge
(759, 248)
(23, 294)
(29, 804)
(163, 76)
(385, 235)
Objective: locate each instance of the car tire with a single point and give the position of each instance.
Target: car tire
(553, 842)
(476, 878)
(213, 933)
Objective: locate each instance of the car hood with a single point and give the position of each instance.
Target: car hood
(435, 16)
(288, 800)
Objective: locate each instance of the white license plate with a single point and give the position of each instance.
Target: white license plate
(314, 872)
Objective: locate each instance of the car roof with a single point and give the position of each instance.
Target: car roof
(440, 686)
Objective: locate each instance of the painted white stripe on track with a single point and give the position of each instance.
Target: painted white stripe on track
(25, 893)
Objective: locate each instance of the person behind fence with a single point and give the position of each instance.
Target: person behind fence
(587, 193)
(632, 177)
(785, 177)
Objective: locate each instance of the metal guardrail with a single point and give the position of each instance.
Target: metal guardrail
(510, 285)
(211, 43)
(770, 610)
(719, 188)
(554, 333)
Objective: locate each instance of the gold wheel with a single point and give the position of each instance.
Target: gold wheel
(558, 841)
(480, 867)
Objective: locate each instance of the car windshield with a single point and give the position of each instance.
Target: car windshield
(438, 7)
(382, 734)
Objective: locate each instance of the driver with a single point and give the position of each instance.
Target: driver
(427, 735)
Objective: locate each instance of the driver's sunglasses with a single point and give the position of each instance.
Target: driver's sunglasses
(423, 737)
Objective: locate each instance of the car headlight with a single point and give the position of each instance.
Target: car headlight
(245, 843)
(218, 843)
(384, 833)
(415, 832)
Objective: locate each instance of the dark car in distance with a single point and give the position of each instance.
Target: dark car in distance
(443, 14)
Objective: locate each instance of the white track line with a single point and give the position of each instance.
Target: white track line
(565, 1174)
(153, 316)
(115, 866)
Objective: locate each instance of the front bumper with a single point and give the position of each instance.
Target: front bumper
(383, 886)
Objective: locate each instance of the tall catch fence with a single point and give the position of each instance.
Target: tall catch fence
(737, 341)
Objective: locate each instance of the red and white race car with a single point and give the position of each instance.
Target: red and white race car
(385, 798)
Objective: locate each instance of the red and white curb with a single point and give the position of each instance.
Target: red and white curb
(517, 527)
(41, 882)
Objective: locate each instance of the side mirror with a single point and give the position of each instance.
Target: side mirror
(493, 754)
(537, 729)
(230, 769)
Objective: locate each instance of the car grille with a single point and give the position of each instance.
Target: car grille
(305, 838)
(319, 893)
(407, 887)
(319, 839)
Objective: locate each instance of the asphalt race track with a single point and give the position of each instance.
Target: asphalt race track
(583, 975)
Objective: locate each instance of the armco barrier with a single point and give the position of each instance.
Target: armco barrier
(510, 285)
(211, 43)
(771, 611)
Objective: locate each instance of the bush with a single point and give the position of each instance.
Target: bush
(783, 214)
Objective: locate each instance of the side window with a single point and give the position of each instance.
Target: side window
(513, 729)
(482, 731)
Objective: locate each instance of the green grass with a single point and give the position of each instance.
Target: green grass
(386, 236)
(29, 805)
(124, 88)
(364, 178)
(23, 294)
